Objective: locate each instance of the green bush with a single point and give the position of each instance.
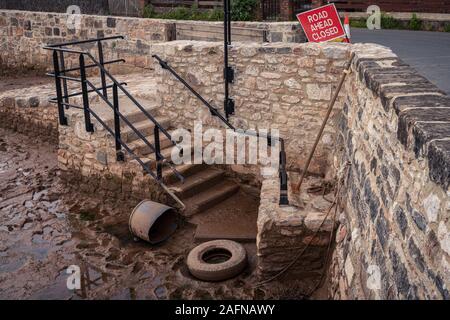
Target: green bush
(243, 10)
(415, 23)
(183, 13)
(447, 27)
(149, 11)
(388, 22)
(358, 23)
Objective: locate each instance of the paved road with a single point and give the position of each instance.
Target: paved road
(428, 52)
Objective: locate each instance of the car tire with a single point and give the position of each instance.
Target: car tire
(217, 260)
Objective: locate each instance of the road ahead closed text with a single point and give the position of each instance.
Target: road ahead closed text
(321, 24)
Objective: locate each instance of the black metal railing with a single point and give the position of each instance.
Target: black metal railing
(284, 199)
(271, 9)
(63, 101)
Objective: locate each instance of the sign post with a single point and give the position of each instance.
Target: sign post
(322, 24)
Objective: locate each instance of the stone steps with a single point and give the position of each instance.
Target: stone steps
(204, 186)
(145, 127)
(209, 198)
(197, 183)
(143, 150)
(185, 170)
(126, 108)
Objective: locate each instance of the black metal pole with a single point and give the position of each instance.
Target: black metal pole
(157, 153)
(62, 117)
(119, 154)
(227, 71)
(284, 198)
(87, 114)
(213, 110)
(63, 67)
(102, 73)
(229, 22)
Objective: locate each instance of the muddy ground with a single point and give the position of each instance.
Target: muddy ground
(46, 227)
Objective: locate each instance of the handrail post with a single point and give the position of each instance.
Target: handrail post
(87, 114)
(62, 117)
(284, 198)
(228, 72)
(229, 22)
(119, 154)
(102, 73)
(157, 153)
(63, 67)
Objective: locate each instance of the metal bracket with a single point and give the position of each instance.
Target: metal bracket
(229, 106)
(228, 74)
(120, 156)
(213, 112)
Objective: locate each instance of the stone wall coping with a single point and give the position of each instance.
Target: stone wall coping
(200, 45)
(422, 108)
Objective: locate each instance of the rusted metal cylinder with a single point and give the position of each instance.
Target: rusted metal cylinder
(153, 222)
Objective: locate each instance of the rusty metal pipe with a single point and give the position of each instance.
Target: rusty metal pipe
(324, 123)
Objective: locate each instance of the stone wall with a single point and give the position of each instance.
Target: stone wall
(289, 92)
(24, 107)
(88, 161)
(393, 241)
(280, 86)
(24, 33)
(241, 31)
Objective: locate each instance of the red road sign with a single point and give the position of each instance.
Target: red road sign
(322, 24)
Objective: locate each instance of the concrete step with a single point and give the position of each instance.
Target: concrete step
(197, 183)
(185, 170)
(145, 127)
(143, 150)
(207, 199)
(126, 107)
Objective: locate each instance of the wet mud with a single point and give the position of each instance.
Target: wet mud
(46, 226)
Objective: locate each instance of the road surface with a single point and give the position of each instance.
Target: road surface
(428, 52)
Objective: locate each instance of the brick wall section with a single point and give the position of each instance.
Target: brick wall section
(393, 241)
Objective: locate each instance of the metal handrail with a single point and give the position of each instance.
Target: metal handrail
(119, 85)
(135, 157)
(54, 100)
(60, 74)
(145, 112)
(53, 46)
(88, 66)
(135, 130)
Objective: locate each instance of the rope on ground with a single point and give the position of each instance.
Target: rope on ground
(300, 254)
